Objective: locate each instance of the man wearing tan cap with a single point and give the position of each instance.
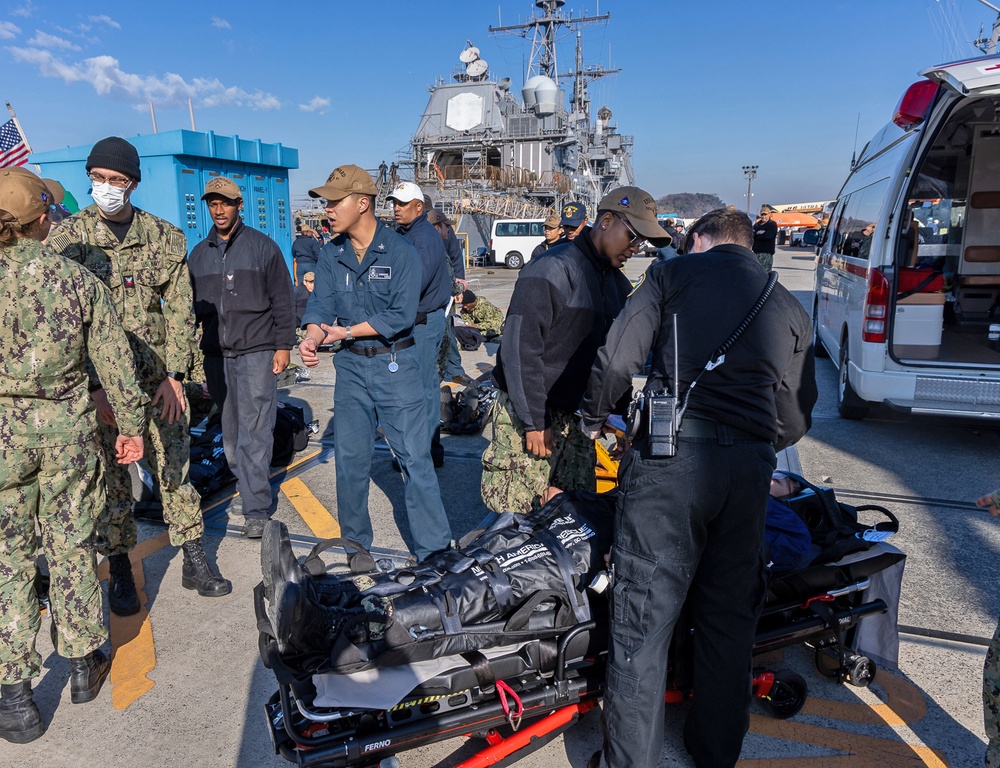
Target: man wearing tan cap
(690, 523)
(142, 260)
(243, 303)
(765, 237)
(560, 311)
(367, 291)
(552, 233)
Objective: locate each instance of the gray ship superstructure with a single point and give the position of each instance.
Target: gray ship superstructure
(480, 150)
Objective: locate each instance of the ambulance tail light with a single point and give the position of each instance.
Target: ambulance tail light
(915, 105)
(876, 308)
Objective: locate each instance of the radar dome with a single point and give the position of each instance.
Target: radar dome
(546, 94)
(528, 91)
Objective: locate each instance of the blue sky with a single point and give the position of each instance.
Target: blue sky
(706, 87)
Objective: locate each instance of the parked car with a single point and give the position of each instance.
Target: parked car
(513, 240)
(908, 274)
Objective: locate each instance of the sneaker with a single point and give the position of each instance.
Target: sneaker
(464, 379)
(253, 528)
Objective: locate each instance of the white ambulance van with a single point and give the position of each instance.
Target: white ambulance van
(907, 294)
(513, 240)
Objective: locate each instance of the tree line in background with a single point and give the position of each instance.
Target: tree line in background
(689, 205)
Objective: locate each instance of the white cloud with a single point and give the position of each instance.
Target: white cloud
(220, 23)
(9, 31)
(317, 104)
(24, 10)
(104, 19)
(107, 78)
(45, 40)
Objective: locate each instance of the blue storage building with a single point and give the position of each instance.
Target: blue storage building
(176, 165)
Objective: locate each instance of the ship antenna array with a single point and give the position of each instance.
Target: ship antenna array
(543, 29)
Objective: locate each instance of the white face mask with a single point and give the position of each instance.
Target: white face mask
(109, 199)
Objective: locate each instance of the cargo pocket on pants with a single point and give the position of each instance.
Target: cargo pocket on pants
(630, 599)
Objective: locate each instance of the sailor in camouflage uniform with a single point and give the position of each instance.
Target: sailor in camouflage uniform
(479, 313)
(991, 668)
(51, 313)
(142, 259)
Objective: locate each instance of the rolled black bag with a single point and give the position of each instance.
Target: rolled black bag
(522, 577)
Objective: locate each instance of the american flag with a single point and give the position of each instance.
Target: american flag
(13, 150)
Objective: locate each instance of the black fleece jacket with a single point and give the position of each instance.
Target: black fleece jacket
(560, 312)
(242, 293)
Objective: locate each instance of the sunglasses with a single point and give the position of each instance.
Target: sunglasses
(637, 241)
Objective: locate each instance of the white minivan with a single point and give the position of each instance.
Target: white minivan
(907, 294)
(513, 240)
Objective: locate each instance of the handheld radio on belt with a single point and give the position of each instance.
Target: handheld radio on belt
(664, 410)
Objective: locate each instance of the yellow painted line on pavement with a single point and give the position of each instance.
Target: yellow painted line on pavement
(133, 655)
(320, 521)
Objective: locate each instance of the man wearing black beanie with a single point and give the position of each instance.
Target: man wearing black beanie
(142, 259)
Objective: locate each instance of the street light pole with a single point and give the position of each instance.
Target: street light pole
(750, 171)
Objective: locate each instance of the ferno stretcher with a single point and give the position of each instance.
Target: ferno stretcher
(509, 692)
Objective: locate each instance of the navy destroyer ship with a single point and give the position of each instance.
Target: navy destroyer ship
(479, 150)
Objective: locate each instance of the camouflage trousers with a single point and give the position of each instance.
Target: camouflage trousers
(991, 701)
(60, 490)
(168, 453)
(766, 260)
(513, 479)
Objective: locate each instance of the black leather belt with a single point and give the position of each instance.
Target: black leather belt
(695, 428)
(381, 349)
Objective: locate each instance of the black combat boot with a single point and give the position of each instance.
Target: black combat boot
(198, 574)
(302, 625)
(277, 560)
(20, 721)
(87, 675)
(123, 600)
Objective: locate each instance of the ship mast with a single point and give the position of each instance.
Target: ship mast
(989, 47)
(543, 29)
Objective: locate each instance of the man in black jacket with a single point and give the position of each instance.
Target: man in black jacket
(560, 311)
(305, 253)
(243, 302)
(765, 236)
(690, 526)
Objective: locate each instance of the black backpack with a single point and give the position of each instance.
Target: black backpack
(291, 434)
(834, 525)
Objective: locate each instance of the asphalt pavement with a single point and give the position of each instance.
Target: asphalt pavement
(188, 687)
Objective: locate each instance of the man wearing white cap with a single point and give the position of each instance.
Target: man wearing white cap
(435, 293)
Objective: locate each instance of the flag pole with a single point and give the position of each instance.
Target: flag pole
(17, 124)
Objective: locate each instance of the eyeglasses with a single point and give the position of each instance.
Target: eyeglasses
(119, 182)
(638, 241)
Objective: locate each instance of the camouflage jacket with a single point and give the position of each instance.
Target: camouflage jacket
(52, 312)
(488, 318)
(149, 282)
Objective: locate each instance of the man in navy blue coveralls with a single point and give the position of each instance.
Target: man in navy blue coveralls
(435, 293)
(366, 292)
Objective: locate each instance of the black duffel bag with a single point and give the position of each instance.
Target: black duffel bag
(521, 577)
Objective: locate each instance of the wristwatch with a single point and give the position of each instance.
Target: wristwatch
(347, 333)
(175, 375)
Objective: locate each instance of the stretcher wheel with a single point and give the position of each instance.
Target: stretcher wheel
(788, 695)
(861, 672)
